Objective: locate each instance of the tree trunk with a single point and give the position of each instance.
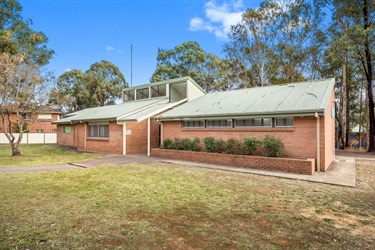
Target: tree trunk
(15, 150)
(343, 107)
(368, 70)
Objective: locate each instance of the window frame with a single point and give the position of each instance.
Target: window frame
(253, 122)
(220, 121)
(284, 122)
(187, 122)
(95, 131)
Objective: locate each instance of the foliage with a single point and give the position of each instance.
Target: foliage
(167, 143)
(189, 59)
(181, 144)
(251, 144)
(234, 146)
(100, 85)
(272, 146)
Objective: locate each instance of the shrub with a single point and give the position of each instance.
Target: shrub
(272, 146)
(167, 143)
(234, 146)
(182, 144)
(251, 144)
(209, 143)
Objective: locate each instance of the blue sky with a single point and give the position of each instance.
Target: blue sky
(83, 32)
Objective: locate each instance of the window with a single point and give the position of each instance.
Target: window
(193, 124)
(129, 95)
(143, 93)
(259, 122)
(219, 123)
(27, 116)
(39, 131)
(44, 116)
(158, 90)
(99, 131)
(284, 122)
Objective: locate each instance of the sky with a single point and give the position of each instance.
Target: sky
(82, 32)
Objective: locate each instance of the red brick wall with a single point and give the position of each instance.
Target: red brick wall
(66, 139)
(136, 142)
(113, 144)
(33, 124)
(299, 141)
(297, 166)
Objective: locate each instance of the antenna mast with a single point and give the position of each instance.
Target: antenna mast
(131, 65)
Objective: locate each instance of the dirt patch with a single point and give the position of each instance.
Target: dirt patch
(362, 226)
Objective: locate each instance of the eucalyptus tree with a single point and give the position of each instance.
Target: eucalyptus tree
(189, 59)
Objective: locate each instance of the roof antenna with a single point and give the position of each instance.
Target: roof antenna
(131, 65)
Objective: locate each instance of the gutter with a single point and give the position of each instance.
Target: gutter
(245, 116)
(317, 141)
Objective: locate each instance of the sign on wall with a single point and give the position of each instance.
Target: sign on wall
(67, 129)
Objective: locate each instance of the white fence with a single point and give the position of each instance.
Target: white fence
(32, 138)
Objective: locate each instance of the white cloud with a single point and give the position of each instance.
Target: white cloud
(113, 49)
(218, 18)
(68, 69)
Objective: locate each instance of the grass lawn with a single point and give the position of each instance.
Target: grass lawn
(166, 206)
(41, 154)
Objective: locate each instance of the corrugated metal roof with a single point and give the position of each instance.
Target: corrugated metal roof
(293, 98)
(148, 112)
(111, 112)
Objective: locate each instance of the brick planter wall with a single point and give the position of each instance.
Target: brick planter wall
(297, 166)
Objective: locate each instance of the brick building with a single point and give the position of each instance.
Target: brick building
(301, 114)
(40, 122)
(127, 127)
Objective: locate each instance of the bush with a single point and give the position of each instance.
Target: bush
(209, 143)
(167, 144)
(251, 144)
(234, 146)
(181, 144)
(272, 146)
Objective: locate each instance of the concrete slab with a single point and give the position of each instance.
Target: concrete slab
(342, 172)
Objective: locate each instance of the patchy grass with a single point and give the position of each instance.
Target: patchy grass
(165, 206)
(41, 154)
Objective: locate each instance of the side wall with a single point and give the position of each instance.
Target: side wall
(136, 142)
(299, 141)
(66, 139)
(329, 134)
(112, 145)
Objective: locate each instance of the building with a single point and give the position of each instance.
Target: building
(301, 114)
(127, 127)
(40, 122)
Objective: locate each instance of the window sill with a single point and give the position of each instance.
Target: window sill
(97, 139)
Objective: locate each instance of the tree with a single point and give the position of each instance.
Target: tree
(189, 59)
(71, 93)
(22, 91)
(23, 52)
(104, 82)
(100, 85)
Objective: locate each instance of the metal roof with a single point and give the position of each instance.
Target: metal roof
(171, 81)
(292, 98)
(111, 112)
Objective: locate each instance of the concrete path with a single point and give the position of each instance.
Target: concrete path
(342, 172)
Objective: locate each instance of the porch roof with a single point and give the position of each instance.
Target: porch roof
(111, 112)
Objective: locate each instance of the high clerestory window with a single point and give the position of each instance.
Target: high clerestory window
(158, 90)
(258, 122)
(193, 124)
(143, 93)
(284, 122)
(129, 95)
